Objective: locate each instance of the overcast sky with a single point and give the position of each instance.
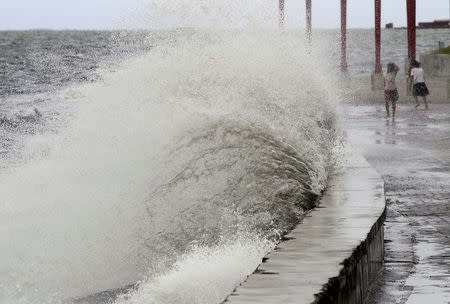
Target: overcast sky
(112, 14)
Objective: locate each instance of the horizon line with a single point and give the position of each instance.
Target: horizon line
(170, 29)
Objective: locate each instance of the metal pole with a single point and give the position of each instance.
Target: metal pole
(411, 11)
(378, 68)
(281, 14)
(344, 35)
(308, 19)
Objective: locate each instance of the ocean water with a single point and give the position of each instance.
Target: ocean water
(174, 162)
(161, 166)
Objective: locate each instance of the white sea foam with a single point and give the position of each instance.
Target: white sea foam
(204, 275)
(210, 135)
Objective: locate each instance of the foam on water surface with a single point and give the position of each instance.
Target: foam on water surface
(179, 169)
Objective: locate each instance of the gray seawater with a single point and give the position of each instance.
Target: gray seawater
(40, 61)
(33, 64)
(164, 160)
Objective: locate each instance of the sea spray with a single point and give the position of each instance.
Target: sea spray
(203, 275)
(206, 14)
(212, 135)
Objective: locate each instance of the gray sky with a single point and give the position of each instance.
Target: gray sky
(107, 14)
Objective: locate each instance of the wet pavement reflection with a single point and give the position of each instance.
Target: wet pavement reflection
(412, 153)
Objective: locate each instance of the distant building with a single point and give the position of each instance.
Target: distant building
(435, 24)
(389, 25)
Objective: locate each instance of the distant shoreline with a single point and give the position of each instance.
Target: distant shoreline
(419, 28)
(199, 28)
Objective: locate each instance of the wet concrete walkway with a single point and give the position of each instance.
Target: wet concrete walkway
(412, 154)
(341, 239)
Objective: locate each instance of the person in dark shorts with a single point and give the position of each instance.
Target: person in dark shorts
(390, 87)
(419, 86)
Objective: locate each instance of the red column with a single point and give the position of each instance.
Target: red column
(281, 14)
(344, 35)
(308, 19)
(378, 37)
(411, 10)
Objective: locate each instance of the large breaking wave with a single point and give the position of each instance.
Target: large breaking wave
(178, 174)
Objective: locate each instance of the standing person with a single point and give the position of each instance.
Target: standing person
(419, 86)
(390, 87)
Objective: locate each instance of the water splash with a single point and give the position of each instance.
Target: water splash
(205, 148)
(204, 275)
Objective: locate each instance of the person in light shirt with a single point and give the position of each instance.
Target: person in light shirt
(419, 86)
(390, 87)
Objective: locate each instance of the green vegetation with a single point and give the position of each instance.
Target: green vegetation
(445, 51)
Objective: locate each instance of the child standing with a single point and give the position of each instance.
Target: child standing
(419, 86)
(390, 87)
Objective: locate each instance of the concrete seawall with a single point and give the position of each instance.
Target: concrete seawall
(359, 91)
(437, 65)
(335, 254)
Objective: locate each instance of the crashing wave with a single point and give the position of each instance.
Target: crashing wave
(208, 148)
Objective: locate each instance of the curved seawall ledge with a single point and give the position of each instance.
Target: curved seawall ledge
(335, 254)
